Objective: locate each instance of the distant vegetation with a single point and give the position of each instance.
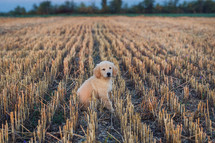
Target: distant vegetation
(117, 7)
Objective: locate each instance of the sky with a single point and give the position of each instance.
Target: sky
(7, 5)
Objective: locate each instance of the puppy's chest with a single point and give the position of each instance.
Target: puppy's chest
(109, 87)
(106, 86)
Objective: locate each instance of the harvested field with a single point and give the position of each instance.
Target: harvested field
(164, 92)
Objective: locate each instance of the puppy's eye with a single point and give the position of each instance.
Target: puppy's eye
(109, 67)
(103, 69)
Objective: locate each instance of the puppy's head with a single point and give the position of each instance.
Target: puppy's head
(105, 69)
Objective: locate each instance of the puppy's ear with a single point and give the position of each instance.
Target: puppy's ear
(115, 70)
(96, 71)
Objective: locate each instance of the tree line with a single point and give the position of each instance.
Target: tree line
(117, 7)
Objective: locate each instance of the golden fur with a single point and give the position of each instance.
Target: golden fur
(100, 83)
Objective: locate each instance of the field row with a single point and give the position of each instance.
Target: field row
(164, 90)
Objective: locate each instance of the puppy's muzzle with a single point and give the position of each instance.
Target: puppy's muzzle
(108, 74)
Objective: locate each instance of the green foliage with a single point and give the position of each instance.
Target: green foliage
(139, 8)
(83, 9)
(116, 7)
(67, 7)
(104, 6)
(148, 5)
(45, 8)
(18, 11)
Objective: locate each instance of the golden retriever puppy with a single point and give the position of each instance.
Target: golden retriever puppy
(100, 83)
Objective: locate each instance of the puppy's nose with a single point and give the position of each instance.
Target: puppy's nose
(108, 74)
